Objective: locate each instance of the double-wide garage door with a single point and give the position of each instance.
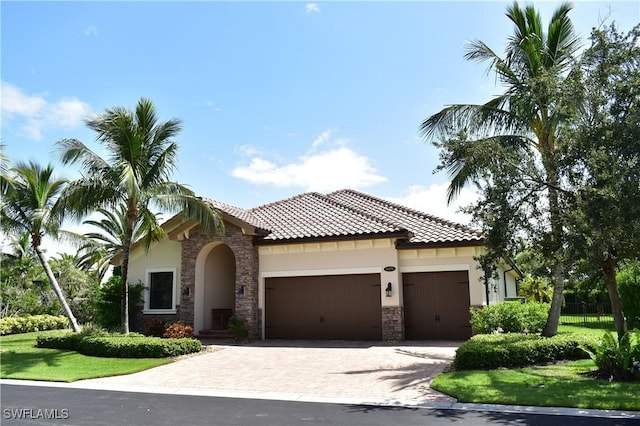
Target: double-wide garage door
(323, 307)
(436, 305)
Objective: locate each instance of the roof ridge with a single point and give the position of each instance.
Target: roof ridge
(409, 210)
(278, 202)
(362, 212)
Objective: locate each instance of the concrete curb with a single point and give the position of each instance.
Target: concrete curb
(512, 409)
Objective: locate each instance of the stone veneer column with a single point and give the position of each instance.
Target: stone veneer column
(246, 256)
(392, 323)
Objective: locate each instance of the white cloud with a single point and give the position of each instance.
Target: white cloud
(91, 31)
(334, 168)
(433, 200)
(247, 150)
(33, 113)
(312, 8)
(324, 137)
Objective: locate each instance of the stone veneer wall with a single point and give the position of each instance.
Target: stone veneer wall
(246, 256)
(392, 323)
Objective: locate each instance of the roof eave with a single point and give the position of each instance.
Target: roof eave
(407, 245)
(258, 241)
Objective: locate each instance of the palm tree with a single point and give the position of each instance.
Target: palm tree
(525, 116)
(109, 239)
(32, 204)
(142, 156)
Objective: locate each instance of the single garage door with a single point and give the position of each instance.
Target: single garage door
(345, 307)
(436, 305)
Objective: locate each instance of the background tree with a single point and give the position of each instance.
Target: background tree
(31, 204)
(142, 157)
(602, 161)
(507, 146)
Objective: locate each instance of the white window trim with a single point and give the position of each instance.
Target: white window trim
(147, 291)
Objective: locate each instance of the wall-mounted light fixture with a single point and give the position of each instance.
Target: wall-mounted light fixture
(388, 290)
(185, 293)
(240, 292)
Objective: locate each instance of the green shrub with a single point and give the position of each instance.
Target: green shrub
(617, 360)
(629, 286)
(238, 327)
(178, 330)
(486, 351)
(132, 345)
(509, 317)
(30, 323)
(107, 304)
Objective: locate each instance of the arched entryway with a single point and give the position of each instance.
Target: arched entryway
(215, 285)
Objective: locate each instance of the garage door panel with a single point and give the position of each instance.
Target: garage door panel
(437, 305)
(323, 307)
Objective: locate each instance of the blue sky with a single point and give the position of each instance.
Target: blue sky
(276, 98)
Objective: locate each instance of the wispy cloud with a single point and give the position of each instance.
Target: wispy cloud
(335, 167)
(312, 8)
(31, 114)
(433, 200)
(91, 31)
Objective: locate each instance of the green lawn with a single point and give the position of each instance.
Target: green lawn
(557, 385)
(20, 359)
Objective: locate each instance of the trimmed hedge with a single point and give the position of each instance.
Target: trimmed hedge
(31, 323)
(120, 346)
(487, 351)
(510, 317)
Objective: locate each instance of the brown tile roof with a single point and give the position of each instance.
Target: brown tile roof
(426, 229)
(315, 216)
(348, 214)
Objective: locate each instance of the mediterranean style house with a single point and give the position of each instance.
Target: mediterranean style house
(345, 265)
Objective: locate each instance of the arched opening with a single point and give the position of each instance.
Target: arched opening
(214, 287)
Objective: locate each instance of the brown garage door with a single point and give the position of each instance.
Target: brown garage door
(436, 305)
(323, 307)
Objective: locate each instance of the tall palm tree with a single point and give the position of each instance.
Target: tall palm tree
(142, 156)
(109, 238)
(31, 203)
(525, 116)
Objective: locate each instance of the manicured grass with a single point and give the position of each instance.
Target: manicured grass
(22, 360)
(558, 385)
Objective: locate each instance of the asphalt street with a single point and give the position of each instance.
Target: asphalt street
(36, 405)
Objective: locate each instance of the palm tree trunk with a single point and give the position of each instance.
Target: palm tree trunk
(553, 320)
(56, 288)
(126, 250)
(609, 268)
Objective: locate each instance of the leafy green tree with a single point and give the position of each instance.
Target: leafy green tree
(31, 204)
(79, 285)
(142, 156)
(602, 161)
(507, 147)
(628, 280)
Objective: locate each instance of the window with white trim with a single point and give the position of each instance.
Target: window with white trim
(160, 294)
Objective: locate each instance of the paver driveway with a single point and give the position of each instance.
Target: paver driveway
(350, 372)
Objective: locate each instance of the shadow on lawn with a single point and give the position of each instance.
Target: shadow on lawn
(14, 362)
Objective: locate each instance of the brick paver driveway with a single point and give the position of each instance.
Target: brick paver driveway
(350, 372)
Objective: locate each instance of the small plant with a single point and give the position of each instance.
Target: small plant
(238, 327)
(154, 328)
(618, 360)
(178, 330)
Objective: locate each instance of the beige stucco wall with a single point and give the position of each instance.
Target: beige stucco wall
(165, 254)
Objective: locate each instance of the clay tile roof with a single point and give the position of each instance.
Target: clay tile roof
(315, 216)
(237, 212)
(426, 229)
